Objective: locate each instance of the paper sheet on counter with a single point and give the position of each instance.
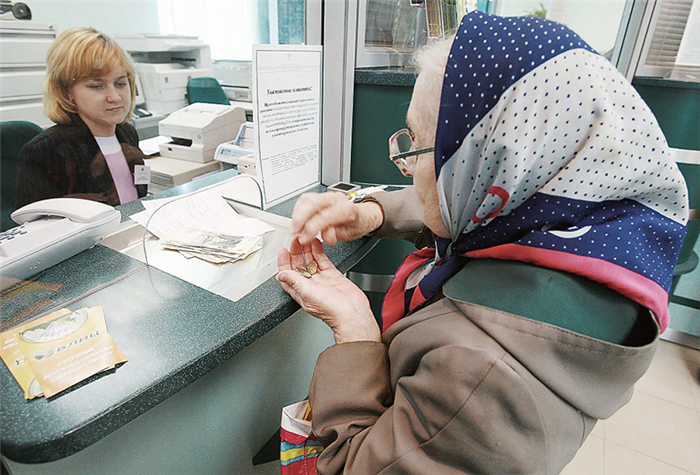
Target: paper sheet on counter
(152, 146)
(206, 210)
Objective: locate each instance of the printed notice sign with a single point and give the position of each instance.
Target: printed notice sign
(287, 103)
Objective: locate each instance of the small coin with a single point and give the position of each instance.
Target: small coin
(303, 271)
(312, 268)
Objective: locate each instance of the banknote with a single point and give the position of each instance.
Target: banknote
(212, 247)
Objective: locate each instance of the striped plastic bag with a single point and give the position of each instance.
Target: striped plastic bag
(298, 445)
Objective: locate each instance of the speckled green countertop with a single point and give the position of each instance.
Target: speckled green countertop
(663, 82)
(172, 333)
(386, 76)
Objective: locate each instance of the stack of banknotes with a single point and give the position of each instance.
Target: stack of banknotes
(211, 247)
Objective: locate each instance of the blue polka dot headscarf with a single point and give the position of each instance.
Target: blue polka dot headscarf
(545, 154)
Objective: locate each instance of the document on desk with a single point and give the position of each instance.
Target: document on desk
(152, 146)
(205, 210)
(243, 189)
(287, 85)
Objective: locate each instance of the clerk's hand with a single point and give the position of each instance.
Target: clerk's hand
(328, 294)
(335, 217)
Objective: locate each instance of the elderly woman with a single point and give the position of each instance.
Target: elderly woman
(558, 215)
(92, 151)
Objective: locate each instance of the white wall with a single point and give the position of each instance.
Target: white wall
(108, 16)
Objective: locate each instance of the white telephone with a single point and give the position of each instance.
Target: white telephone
(51, 231)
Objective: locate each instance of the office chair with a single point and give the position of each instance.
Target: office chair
(13, 136)
(206, 90)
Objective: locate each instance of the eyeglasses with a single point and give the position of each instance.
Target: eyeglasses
(401, 151)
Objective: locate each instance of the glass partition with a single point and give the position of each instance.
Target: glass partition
(388, 31)
(598, 23)
(229, 27)
(672, 47)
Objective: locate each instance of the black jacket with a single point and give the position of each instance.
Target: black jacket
(65, 161)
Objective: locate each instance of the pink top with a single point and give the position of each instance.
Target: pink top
(116, 161)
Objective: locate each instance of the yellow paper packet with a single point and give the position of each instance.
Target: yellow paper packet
(68, 349)
(14, 359)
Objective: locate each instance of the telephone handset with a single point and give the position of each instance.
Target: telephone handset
(51, 231)
(77, 210)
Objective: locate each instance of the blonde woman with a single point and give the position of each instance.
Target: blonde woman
(92, 151)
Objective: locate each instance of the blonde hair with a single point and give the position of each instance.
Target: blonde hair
(430, 62)
(78, 54)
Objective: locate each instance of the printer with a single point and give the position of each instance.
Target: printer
(165, 64)
(198, 129)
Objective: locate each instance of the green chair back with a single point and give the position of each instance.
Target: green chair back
(206, 90)
(13, 136)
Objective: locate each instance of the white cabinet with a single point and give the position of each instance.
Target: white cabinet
(23, 48)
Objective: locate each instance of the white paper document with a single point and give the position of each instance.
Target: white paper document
(206, 210)
(152, 146)
(243, 189)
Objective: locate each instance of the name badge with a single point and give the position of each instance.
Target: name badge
(142, 174)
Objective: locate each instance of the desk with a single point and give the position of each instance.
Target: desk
(230, 365)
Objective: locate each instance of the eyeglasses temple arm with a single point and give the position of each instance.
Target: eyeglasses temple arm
(410, 153)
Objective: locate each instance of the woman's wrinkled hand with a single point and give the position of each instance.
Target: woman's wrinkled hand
(335, 217)
(327, 294)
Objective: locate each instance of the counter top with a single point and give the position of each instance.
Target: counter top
(171, 331)
(665, 82)
(386, 76)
